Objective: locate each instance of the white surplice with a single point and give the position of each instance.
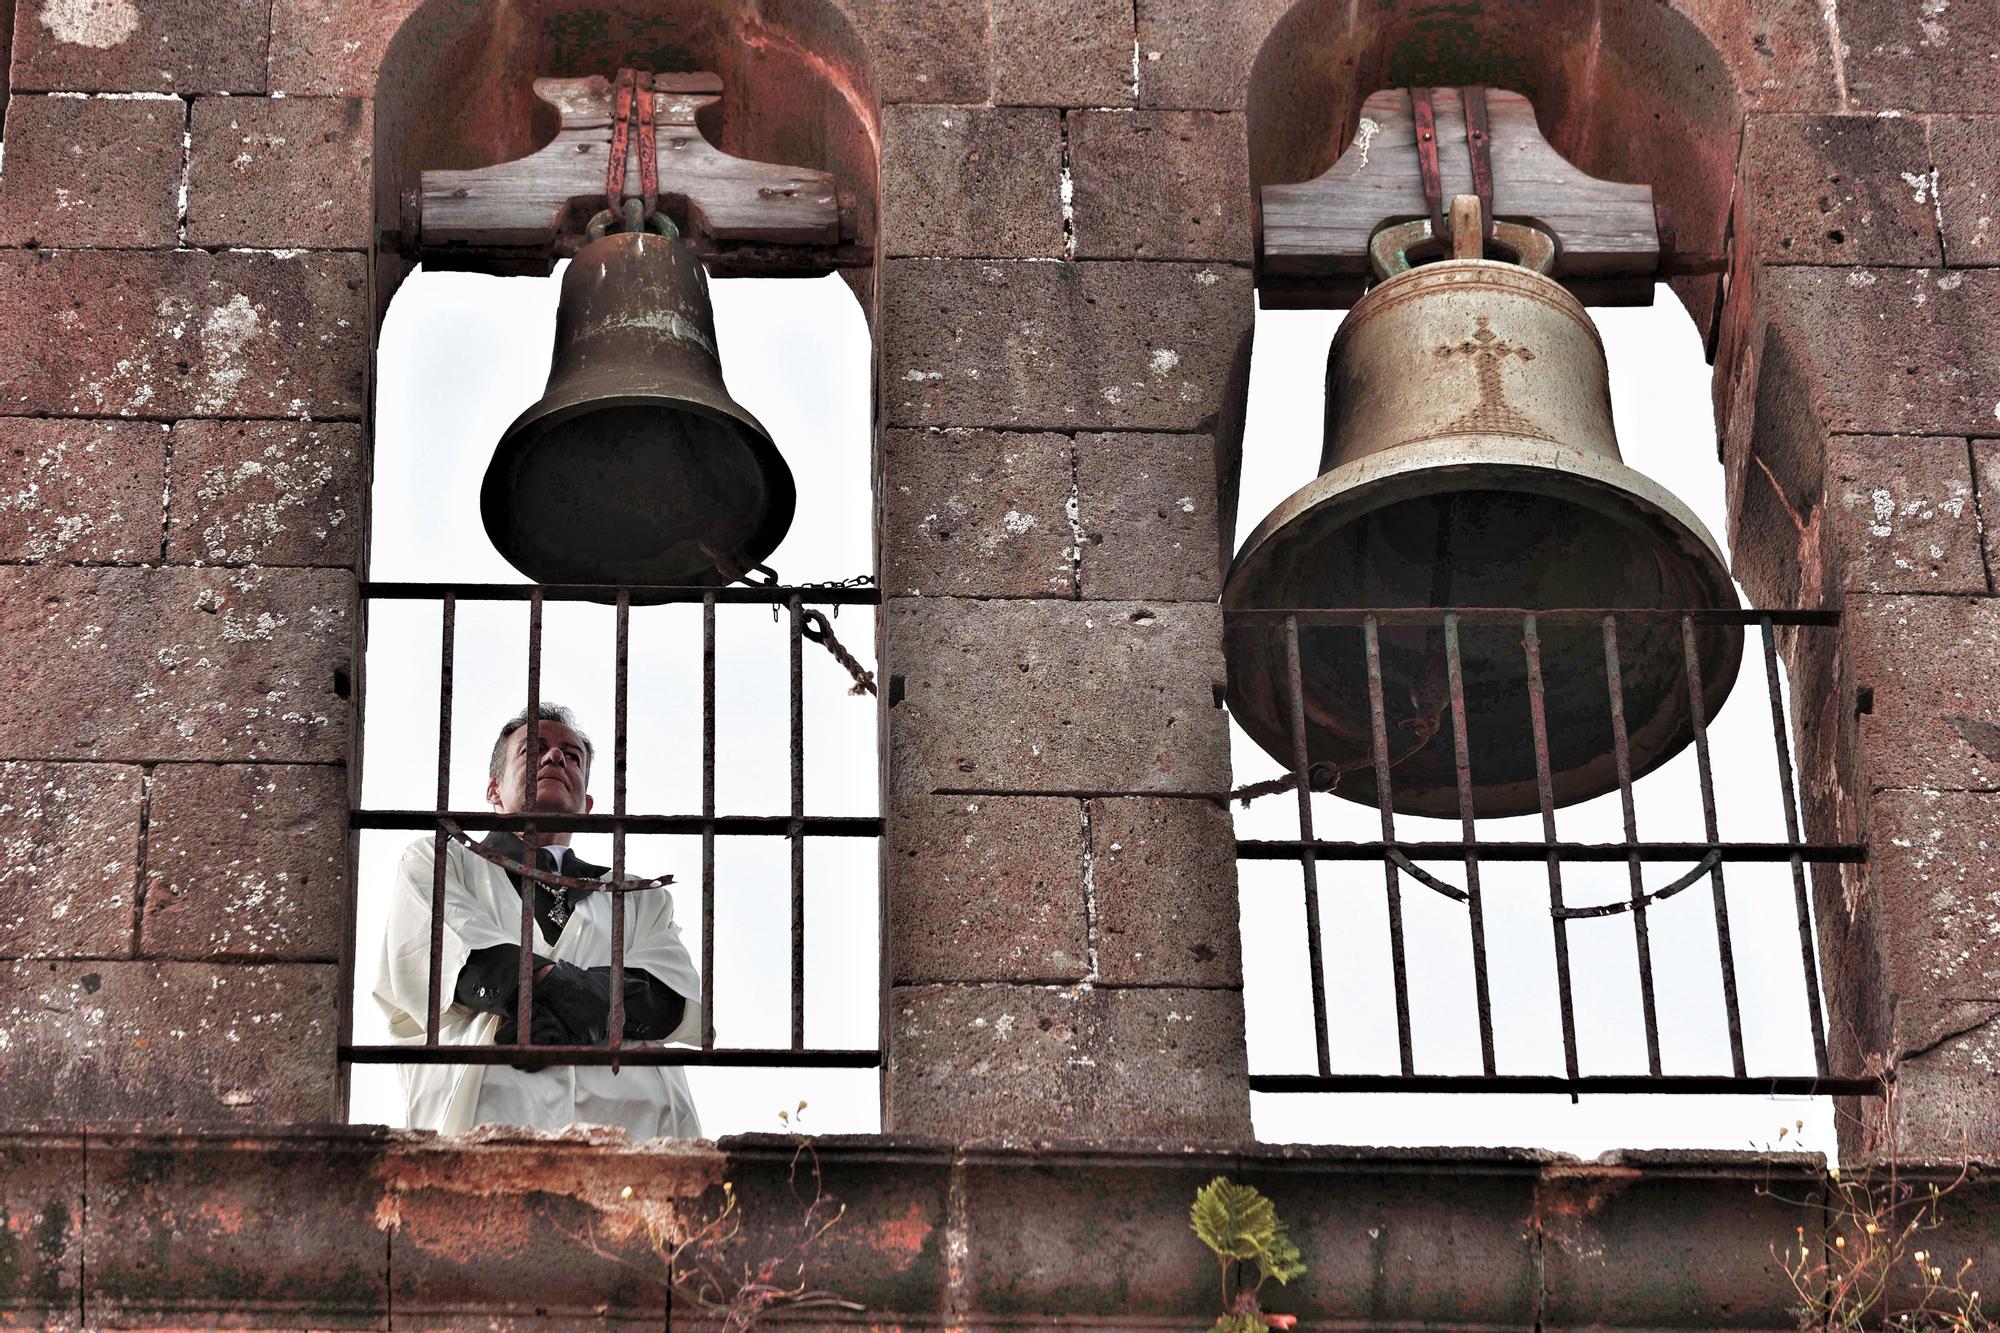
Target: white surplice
(482, 908)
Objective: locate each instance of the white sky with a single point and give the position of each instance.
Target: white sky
(461, 355)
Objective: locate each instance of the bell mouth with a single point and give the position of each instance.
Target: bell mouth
(1479, 522)
(636, 489)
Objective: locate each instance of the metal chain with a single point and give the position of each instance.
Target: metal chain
(512, 866)
(820, 630)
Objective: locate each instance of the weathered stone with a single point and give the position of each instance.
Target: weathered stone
(1902, 514)
(1922, 56)
(1037, 1061)
(1026, 345)
(1931, 718)
(1968, 187)
(179, 46)
(41, 1232)
(1062, 52)
(178, 664)
(1148, 508)
(187, 1043)
(1839, 190)
(87, 491)
(1947, 1089)
(281, 172)
(283, 1227)
(326, 50)
(1052, 696)
(929, 50)
(971, 181)
(246, 860)
(1894, 351)
(977, 514)
(1986, 477)
(1200, 55)
(986, 888)
(1935, 866)
(1163, 877)
(92, 171)
(1161, 185)
(183, 334)
(266, 493)
(72, 839)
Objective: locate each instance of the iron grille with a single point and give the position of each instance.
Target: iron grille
(1399, 859)
(708, 823)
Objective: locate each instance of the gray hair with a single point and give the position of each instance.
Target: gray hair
(547, 712)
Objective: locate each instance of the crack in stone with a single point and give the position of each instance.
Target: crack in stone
(1985, 1020)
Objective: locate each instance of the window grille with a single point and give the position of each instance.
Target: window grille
(797, 605)
(1402, 872)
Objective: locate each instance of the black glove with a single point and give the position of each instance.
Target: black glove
(579, 1000)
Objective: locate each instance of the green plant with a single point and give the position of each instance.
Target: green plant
(1241, 1226)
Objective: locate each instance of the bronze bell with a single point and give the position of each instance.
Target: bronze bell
(1470, 462)
(636, 466)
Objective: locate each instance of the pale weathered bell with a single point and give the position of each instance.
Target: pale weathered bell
(1469, 461)
(636, 466)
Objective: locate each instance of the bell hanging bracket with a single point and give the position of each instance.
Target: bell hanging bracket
(639, 135)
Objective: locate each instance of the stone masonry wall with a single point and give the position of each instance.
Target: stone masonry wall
(1062, 302)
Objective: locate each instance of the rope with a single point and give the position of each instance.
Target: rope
(820, 630)
(509, 864)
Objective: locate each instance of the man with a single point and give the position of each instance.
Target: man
(481, 963)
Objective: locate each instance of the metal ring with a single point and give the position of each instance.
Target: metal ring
(1388, 249)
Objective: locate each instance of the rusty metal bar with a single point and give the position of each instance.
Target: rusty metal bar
(1698, 714)
(1538, 717)
(649, 595)
(1808, 958)
(816, 826)
(1708, 1084)
(1511, 615)
(1622, 751)
(708, 822)
(1372, 639)
(622, 662)
(446, 658)
(1301, 775)
(720, 1057)
(1468, 826)
(798, 837)
(531, 843)
(1289, 849)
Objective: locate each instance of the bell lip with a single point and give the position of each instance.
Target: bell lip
(1353, 485)
(545, 414)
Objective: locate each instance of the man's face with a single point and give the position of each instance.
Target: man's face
(559, 773)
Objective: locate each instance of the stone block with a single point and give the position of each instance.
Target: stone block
(1839, 190)
(1968, 187)
(1021, 345)
(987, 888)
(1894, 351)
(1948, 1093)
(328, 50)
(72, 838)
(1161, 185)
(1048, 1061)
(1930, 716)
(1200, 55)
(177, 46)
(178, 664)
(187, 1044)
(84, 491)
(288, 172)
(526, 1231)
(1934, 867)
(1062, 52)
(1921, 56)
(1669, 1234)
(1055, 697)
(977, 514)
(1986, 479)
(41, 1232)
(972, 181)
(246, 860)
(183, 334)
(1149, 511)
(93, 172)
(273, 1231)
(1902, 514)
(1163, 879)
(929, 50)
(266, 493)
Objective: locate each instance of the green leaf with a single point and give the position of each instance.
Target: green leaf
(1239, 1223)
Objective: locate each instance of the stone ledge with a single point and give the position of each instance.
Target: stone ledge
(329, 1225)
